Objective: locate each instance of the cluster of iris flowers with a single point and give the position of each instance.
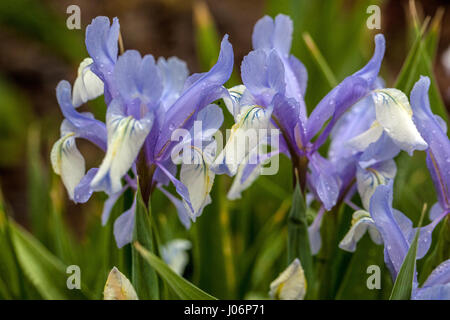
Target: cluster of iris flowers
(150, 139)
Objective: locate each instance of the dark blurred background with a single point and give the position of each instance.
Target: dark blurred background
(37, 51)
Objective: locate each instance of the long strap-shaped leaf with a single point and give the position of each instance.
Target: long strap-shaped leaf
(298, 239)
(143, 276)
(183, 288)
(43, 269)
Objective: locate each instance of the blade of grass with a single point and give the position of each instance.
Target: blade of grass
(320, 60)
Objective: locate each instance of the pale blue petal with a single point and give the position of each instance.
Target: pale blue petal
(174, 73)
(124, 226)
(183, 214)
(102, 45)
(109, 204)
(83, 190)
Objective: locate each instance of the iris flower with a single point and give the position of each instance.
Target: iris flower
(272, 97)
(433, 130)
(147, 101)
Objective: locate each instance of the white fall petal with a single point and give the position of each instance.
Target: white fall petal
(394, 114)
(68, 162)
(198, 178)
(362, 141)
(361, 223)
(126, 136)
(246, 134)
(87, 86)
(290, 284)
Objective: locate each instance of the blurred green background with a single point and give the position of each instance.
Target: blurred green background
(243, 242)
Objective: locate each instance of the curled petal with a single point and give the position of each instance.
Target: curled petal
(290, 284)
(68, 162)
(87, 85)
(84, 125)
(371, 135)
(369, 179)
(394, 114)
(232, 102)
(126, 136)
(83, 190)
(361, 223)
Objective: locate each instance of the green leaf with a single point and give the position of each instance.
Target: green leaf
(407, 74)
(143, 276)
(298, 238)
(10, 273)
(206, 35)
(42, 269)
(183, 288)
